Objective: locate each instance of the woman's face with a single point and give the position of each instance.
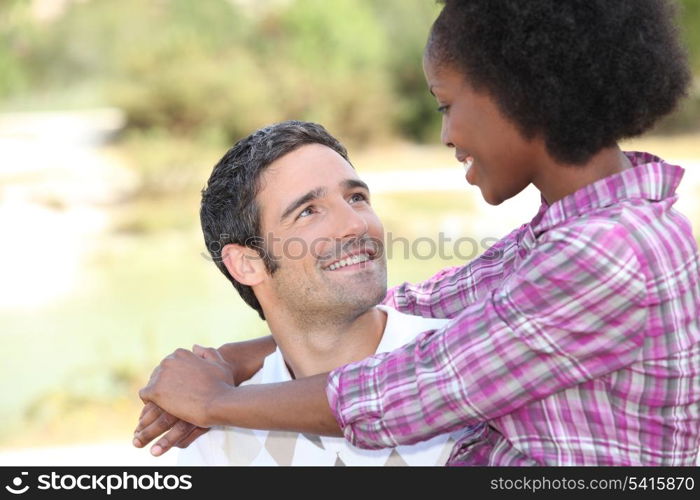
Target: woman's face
(503, 162)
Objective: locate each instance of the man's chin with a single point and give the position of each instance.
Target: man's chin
(363, 283)
(359, 298)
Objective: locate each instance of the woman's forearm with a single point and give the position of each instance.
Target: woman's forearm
(299, 405)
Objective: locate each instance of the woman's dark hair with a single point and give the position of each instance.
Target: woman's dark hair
(229, 212)
(582, 74)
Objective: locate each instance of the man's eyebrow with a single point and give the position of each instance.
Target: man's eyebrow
(430, 89)
(355, 183)
(312, 195)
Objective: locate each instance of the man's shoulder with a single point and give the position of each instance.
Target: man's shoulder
(402, 328)
(273, 370)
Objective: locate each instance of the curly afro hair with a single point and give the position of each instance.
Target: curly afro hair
(582, 74)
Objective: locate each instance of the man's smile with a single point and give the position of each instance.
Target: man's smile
(357, 254)
(352, 261)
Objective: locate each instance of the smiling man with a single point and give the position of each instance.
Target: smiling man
(288, 221)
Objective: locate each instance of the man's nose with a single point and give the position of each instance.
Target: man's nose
(350, 223)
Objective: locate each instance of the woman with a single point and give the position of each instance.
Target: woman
(579, 343)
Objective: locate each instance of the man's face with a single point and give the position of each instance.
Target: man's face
(319, 227)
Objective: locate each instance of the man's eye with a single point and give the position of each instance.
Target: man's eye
(306, 212)
(442, 109)
(358, 197)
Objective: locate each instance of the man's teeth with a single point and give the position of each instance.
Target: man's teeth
(355, 259)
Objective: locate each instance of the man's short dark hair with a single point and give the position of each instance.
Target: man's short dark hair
(229, 212)
(582, 74)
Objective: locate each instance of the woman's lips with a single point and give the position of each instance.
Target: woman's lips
(469, 170)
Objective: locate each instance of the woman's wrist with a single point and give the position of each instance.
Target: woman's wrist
(220, 410)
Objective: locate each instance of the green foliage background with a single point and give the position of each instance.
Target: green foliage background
(221, 68)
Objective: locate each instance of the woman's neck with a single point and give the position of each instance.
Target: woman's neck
(556, 180)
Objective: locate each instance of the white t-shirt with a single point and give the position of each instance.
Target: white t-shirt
(237, 446)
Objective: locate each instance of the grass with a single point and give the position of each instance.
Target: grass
(142, 297)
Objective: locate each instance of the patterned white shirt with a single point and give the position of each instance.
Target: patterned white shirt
(237, 446)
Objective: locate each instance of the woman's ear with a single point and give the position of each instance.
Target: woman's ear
(244, 264)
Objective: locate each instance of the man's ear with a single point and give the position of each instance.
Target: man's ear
(244, 264)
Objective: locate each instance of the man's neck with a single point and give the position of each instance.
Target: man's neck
(324, 346)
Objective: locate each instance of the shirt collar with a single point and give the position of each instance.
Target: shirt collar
(650, 178)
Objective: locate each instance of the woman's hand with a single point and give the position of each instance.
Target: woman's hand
(154, 420)
(246, 358)
(243, 360)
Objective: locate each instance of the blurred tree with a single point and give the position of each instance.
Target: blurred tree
(186, 70)
(406, 24)
(327, 62)
(687, 117)
(14, 20)
(194, 70)
(690, 26)
(223, 67)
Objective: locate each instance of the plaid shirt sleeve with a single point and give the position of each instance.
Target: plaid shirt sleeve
(573, 310)
(447, 293)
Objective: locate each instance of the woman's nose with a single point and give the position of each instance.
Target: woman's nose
(444, 136)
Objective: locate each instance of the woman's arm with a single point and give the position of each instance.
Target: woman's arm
(574, 310)
(448, 292)
(299, 406)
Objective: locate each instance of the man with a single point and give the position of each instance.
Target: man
(289, 223)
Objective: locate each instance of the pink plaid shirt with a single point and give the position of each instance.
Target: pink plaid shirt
(575, 340)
